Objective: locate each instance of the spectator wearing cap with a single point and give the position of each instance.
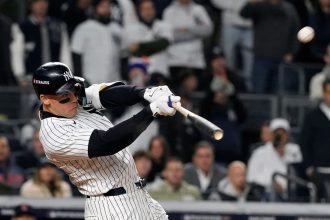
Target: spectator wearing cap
(314, 140)
(46, 38)
(149, 38)
(274, 157)
(24, 212)
(96, 46)
(46, 183)
(281, 127)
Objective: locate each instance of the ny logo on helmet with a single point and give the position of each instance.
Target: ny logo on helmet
(67, 75)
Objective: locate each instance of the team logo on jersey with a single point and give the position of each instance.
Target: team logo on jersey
(67, 75)
(41, 82)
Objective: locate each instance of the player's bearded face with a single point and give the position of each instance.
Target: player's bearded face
(62, 105)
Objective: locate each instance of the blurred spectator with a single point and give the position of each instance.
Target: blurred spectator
(24, 212)
(76, 13)
(292, 152)
(223, 108)
(235, 187)
(127, 10)
(173, 187)
(149, 38)
(203, 172)
(314, 140)
(143, 164)
(264, 163)
(11, 175)
(188, 82)
(32, 157)
(274, 157)
(11, 53)
(55, 8)
(46, 38)
(236, 34)
(220, 72)
(265, 136)
(315, 86)
(96, 45)
(31, 126)
(160, 5)
(191, 24)
(319, 20)
(158, 151)
(271, 47)
(46, 182)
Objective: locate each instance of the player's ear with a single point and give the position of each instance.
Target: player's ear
(44, 100)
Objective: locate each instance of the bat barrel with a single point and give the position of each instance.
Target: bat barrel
(206, 127)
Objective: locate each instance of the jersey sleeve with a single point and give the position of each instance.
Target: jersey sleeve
(64, 139)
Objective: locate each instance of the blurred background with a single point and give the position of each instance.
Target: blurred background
(237, 63)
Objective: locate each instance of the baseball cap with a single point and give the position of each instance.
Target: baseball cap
(24, 210)
(217, 52)
(277, 123)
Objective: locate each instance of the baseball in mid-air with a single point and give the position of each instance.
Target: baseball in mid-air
(306, 34)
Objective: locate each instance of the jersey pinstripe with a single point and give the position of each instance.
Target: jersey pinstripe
(66, 145)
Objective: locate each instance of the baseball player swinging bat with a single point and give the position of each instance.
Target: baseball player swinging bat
(201, 123)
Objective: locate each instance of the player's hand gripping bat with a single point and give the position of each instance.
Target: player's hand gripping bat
(200, 123)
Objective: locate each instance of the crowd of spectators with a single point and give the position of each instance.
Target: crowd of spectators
(208, 52)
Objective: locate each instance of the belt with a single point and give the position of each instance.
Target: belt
(121, 190)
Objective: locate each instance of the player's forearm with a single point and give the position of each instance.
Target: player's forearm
(123, 95)
(103, 143)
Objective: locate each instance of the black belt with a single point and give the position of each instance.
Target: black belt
(121, 190)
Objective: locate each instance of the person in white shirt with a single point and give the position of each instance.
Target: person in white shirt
(149, 39)
(274, 157)
(315, 86)
(96, 46)
(191, 24)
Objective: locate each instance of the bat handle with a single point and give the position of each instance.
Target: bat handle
(177, 106)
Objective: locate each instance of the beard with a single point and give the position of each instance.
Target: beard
(104, 19)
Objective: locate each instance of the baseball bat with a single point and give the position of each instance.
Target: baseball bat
(200, 123)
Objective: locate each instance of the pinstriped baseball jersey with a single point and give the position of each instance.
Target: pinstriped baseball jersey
(66, 144)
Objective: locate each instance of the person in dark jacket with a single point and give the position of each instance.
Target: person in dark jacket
(275, 24)
(314, 141)
(46, 38)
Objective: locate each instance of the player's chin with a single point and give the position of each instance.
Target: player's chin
(72, 113)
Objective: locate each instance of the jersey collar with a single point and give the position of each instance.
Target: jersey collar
(43, 114)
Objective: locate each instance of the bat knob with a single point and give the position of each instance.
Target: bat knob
(218, 134)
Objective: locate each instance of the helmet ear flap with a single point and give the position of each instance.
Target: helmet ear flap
(80, 88)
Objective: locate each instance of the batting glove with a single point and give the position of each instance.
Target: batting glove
(163, 105)
(153, 93)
